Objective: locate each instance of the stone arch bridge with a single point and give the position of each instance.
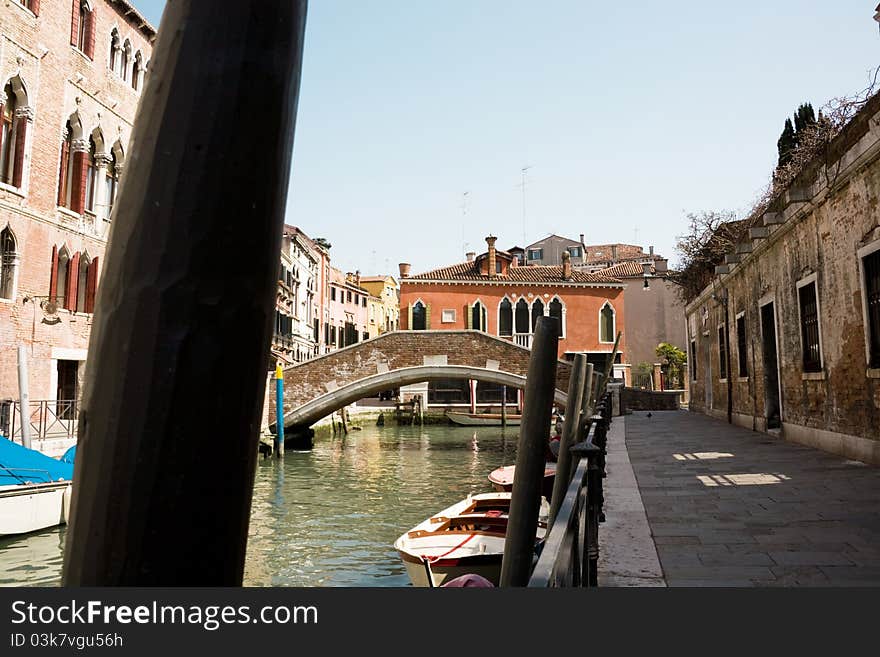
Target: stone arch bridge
(318, 387)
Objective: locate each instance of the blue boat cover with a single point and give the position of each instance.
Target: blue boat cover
(69, 455)
(20, 465)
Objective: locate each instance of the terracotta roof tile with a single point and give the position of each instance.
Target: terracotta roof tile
(467, 271)
(626, 270)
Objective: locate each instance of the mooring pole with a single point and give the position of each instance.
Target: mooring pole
(179, 350)
(525, 502)
(24, 399)
(569, 434)
(279, 411)
(503, 406)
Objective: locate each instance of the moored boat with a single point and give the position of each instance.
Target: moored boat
(35, 489)
(465, 538)
(502, 478)
(482, 419)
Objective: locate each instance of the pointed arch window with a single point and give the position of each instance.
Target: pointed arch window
(137, 71)
(419, 316)
(8, 263)
(537, 311)
(14, 118)
(556, 310)
(505, 317)
(60, 273)
(125, 60)
(91, 177)
(606, 323)
(7, 136)
(65, 170)
(82, 281)
(82, 28)
(115, 47)
(522, 317)
(111, 182)
(478, 317)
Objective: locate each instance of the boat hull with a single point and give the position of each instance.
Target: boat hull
(481, 419)
(488, 566)
(502, 479)
(30, 508)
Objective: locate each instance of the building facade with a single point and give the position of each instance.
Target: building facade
(492, 293)
(297, 312)
(72, 75)
(385, 296)
(787, 337)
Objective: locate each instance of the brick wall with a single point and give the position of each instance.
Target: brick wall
(400, 349)
(58, 81)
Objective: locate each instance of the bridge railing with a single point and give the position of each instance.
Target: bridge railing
(48, 418)
(570, 553)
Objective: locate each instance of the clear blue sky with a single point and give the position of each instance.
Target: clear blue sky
(630, 115)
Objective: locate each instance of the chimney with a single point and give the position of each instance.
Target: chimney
(614, 252)
(470, 256)
(491, 242)
(582, 239)
(404, 269)
(650, 250)
(566, 265)
(661, 266)
(357, 277)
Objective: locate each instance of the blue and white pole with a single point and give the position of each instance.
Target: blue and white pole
(279, 411)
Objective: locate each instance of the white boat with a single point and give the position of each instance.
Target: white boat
(35, 489)
(482, 419)
(502, 478)
(466, 538)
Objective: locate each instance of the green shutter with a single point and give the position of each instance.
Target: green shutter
(428, 317)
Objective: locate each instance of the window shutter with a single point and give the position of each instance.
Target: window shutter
(78, 182)
(469, 317)
(35, 7)
(409, 325)
(20, 138)
(53, 274)
(62, 173)
(74, 23)
(428, 317)
(90, 33)
(91, 286)
(72, 280)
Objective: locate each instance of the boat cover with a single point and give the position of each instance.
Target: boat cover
(20, 465)
(69, 455)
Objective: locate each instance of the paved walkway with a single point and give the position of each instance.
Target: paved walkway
(732, 507)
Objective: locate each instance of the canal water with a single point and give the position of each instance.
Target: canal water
(330, 516)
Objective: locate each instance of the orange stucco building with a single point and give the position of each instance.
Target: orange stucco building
(493, 292)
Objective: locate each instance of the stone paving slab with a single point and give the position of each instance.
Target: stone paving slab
(731, 507)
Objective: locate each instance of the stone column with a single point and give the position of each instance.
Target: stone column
(657, 378)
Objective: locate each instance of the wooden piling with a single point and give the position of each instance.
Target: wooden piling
(179, 349)
(573, 406)
(503, 406)
(525, 503)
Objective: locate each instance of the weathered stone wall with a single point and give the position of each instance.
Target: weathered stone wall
(838, 408)
(400, 349)
(634, 399)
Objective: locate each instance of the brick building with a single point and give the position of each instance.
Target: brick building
(297, 308)
(787, 337)
(72, 75)
(493, 293)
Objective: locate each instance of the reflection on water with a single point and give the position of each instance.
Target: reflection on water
(329, 517)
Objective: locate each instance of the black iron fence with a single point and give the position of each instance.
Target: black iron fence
(47, 418)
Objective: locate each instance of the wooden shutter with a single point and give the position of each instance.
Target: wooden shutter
(91, 286)
(78, 182)
(91, 20)
(35, 7)
(72, 280)
(53, 274)
(74, 23)
(62, 173)
(469, 317)
(409, 317)
(20, 139)
(428, 317)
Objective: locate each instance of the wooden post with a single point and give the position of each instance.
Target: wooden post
(179, 349)
(525, 503)
(503, 406)
(569, 434)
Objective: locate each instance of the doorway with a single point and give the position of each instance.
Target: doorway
(68, 389)
(772, 402)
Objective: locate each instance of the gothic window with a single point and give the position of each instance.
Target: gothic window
(505, 317)
(82, 29)
(13, 132)
(9, 261)
(871, 277)
(91, 177)
(138, 71)
(522, 316)
(478, 317)
(110, 183)
(537, 311)
(115, 51)
(606, 323)
(555, 310)
(419, 318)
(125, 60)
(7, 136)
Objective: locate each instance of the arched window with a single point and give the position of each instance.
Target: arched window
(537, 311)
(66, 168)
(522, 317)
(606, 323)
(111, 182)
(60, 273)
(419, 316)
(82, 282)
(125, 60)
(7, 136)
(137, 71)
(505, 317)
(8, 263)
(115, 48)
(555, 310)
(478, 317)
(82, 29)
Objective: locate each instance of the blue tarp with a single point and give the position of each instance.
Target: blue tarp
(69, 455)
(19, 465)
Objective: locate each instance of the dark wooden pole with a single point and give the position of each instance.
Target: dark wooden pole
(569, 433)
(178, 357)
(525, 503)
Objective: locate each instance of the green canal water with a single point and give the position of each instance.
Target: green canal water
(329, 517)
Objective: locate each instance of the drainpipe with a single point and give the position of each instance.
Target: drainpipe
(724, 300)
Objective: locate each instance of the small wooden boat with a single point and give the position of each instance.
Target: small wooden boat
(482, 419)
(35, 489)
(502, 478)
(466, 538)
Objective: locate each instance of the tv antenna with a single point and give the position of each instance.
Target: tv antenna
(464, 205)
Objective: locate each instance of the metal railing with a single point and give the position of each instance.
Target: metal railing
(570, 553)
(48, 418)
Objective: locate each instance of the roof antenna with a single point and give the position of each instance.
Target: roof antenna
(464, 202)
(523, 185)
